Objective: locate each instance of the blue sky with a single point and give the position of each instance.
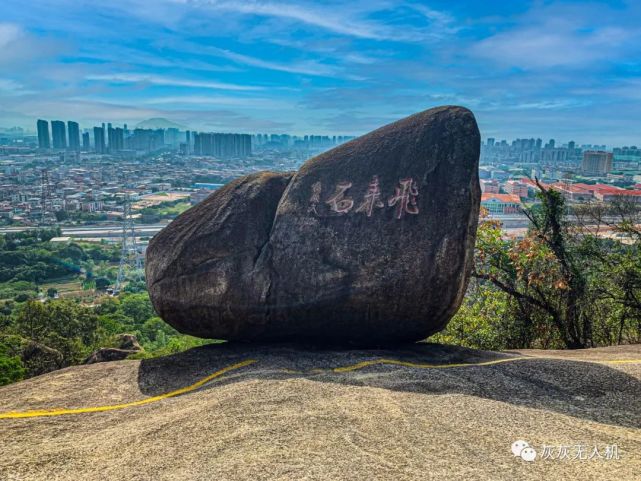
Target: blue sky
(569, 70)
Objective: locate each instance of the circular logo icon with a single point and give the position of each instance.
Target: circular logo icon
(528, 454)
(518, 446)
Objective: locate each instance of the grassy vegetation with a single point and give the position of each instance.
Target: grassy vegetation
(167, 210)
(39, 333)
(69, 286)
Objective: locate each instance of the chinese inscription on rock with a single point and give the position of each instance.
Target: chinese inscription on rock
(339, 202)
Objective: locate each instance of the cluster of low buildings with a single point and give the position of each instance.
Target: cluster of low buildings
(37, 185)
(508, 197)
(34, 185)
(29, 192)
(585, 173)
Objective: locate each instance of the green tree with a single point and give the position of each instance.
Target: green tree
(543, 272)
(102, 283)
(614, 265)
(155, 330)
(11, 367)
(63, 325)
(32, 321)
(137, 306)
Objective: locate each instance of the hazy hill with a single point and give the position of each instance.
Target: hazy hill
(159, 123)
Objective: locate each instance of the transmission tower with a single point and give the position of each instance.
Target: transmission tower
(46, 204)
(130, 255)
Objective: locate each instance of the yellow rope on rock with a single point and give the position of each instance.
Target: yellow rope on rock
(113, 407)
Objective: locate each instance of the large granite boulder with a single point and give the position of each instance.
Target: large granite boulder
(201, 269)
(370, 242)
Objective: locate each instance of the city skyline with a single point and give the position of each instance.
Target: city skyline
(548, 69)
(43, 132)
(108, 138)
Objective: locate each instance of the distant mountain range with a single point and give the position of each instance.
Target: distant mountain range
(159, 123)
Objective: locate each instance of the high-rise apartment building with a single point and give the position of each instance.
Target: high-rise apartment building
(596, 162)
(110, 135)
(73, 131)
(85, 142)
(99, 140)
(116, 140)
(223, 146)
(44, 141)
(58, 134)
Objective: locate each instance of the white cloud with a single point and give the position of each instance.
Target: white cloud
(9, 33)
(18, 47)
(91, 112)
(168, 81)
(8, 85)
(208, 100)
(441, 23)
(547, 42)
(136, 58)
(333, 20)
(350, 19)
(304, 67)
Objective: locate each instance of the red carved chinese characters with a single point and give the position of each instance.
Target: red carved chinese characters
(338, 202)
(405, 198)
(372, 198)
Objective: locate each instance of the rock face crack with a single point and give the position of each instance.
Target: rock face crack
(348, 249)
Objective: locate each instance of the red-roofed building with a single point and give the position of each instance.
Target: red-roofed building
(574, 192)
(612, 195)
(501, 203)
(601, 192)
(605, 188)
(589, 187)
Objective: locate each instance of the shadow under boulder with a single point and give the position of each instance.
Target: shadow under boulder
(581, 389)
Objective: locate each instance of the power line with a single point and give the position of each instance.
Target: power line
(46, 203)
(130, 255)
